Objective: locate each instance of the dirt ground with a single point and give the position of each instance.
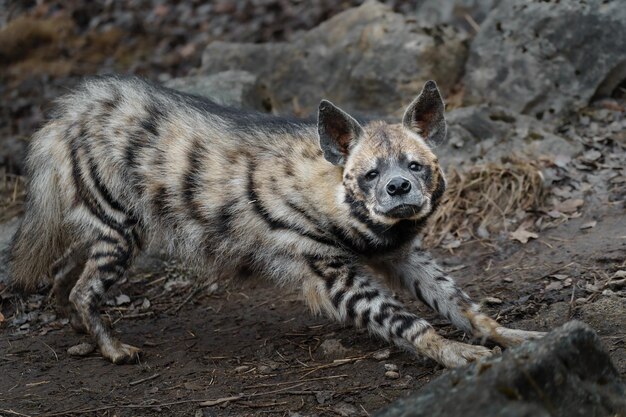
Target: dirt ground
(252, 349)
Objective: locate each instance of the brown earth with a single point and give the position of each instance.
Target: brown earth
(254, 342)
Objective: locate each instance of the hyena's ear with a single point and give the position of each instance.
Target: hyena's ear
(425, 115)
(338, 131)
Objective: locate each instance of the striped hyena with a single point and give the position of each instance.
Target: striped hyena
(332, 207)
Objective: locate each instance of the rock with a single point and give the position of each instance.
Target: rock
(486, 133)
(567, 373)
(382, 354)
(82, 349)
(391, 367)
(454, 12)
(333, 349)
(367, 59)
(546, 58)
(229, 88)
(7, 230)
(392, 375)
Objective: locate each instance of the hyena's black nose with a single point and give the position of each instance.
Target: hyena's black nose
(398, 186)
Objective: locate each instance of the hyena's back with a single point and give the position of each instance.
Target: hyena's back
(122, 153)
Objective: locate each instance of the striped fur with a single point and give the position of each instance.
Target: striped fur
(124, 163)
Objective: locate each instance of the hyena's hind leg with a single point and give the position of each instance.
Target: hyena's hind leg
(65, 273)
(108, 258)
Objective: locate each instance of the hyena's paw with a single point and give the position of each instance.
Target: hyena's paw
(450, 353)
(486, 327)
(454, 354)
(120, 353)
(513, 337)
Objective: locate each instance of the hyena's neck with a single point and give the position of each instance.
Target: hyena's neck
(298, 183)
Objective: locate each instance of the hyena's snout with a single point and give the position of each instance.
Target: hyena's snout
(398, 186)
(399, 197)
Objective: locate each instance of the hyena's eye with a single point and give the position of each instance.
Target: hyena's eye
(371, 175)
(414, 166)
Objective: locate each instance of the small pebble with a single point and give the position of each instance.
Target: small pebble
(241, 369)
(382, 354)
(333, 349)
(82, 349)
(391, 367)
(392, 375)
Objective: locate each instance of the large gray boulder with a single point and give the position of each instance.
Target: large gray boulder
(459, 13)
(487, 133)
(367, 59)
(229, 88)
(567, 374)
(545, 58)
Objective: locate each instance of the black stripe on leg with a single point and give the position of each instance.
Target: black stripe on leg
(418, 293)
(384, 311)
(365, 317)
(112, 268)
(97, 180)
(405, 322)
(338, 297)
(355, 298)
(87, 199)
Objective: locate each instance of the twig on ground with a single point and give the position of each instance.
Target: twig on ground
(293, 382)
(140, 381)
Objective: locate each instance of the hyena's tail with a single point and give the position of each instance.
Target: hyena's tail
(41, 237)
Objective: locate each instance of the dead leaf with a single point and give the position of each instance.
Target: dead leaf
(555, 214)
(588, 225)
(556, 285)
(569, 206)
(617, 274)
(522, 235)
(193, 385)
(122, 299)
(591, 155)
(1, 317)
(560, 277)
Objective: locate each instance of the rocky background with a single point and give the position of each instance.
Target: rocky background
(534, 222)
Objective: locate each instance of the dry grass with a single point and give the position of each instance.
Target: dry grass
(485, 197)
(12, 193)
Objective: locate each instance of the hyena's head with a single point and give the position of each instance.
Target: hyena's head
(390, 172)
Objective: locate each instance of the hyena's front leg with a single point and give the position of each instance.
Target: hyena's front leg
(349, 292)
(427, 281)
(108, 259)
